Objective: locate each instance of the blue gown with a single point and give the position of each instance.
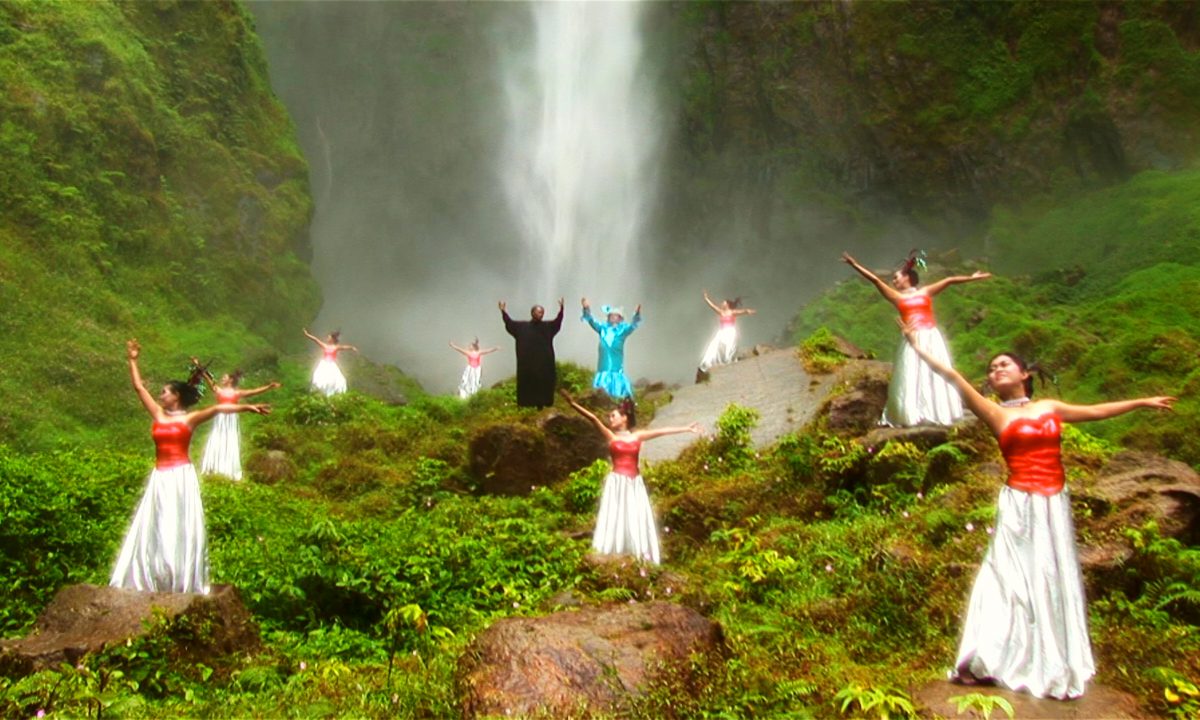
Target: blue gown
(610, 368)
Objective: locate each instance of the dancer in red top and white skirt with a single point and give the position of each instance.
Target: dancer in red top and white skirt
(625, 525)
(327, 377)
(472, 377)
(1026, 625)
(166, 546)
(223, 451)
(916, 394)
(722, 349)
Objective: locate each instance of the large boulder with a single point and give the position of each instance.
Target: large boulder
(1132, 489)
(84, 619)
(594, 659)
(513, 458)
(860, 405)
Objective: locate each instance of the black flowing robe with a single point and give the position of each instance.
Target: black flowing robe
(536, 375)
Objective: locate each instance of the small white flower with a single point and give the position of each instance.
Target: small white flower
(828, 567)
(668, 589)
(516, 604)
(905, 513)
(303, 665)
(920, 496)
(970, 526)
(990, 531)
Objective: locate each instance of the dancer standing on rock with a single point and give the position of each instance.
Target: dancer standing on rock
(166, 547)
(223, 451)
(536, 373)
(327, 377)
(916, 394)
(472, 377)
(625, 525)
(722, 349)
(610, 367)
(1026, 625)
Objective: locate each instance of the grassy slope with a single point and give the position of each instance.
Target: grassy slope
(144, 152)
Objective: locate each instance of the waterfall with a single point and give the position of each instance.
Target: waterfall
(578, 164)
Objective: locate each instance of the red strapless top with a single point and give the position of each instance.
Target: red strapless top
(917, 308)
(330, 354)
(474, 359)
(171, 440)
(227, 396)
(728, 321)
(1032, 449)
(625, 456)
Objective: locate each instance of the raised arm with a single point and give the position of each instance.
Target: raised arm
(985, 409)
(587, 315)
(652, 433)
(314, 338)
(205, 375)
(557, 321)
(1103, 411)
(744, 311)
(347, 347)
(259, 390)
(461, 351)
(587, 414)
(711, 304)
(132, 351)
(203, 415)
(884, 289)
(490, 350)
(940, 285)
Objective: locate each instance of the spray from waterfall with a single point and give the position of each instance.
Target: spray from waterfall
(579, 162)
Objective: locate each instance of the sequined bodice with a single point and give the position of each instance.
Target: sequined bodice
(916, 308)
(1032, 449)
(171, 441)
(625, 456)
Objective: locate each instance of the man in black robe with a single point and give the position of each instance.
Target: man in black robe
(536, 374)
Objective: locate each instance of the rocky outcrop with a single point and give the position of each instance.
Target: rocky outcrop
(592, 659)
(860, 405)
(84, 619)
(1131, 490)
(511, 458)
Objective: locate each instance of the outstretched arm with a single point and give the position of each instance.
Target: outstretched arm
(347, 347)
(314, 338)
(132, 351)
(659, 432)
(259, 390)
(884, 289)
(587, 414)
(489, 350)
(557, 321)
(711, 304)
(205, 414)
(744, 311)
(940, 285)
(985, 409)
(461, 351)
(205, 375)
(1103, 411)
(587, 314)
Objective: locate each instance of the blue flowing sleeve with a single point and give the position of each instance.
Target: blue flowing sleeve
(587, 317)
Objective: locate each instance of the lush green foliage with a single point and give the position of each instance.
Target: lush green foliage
(151, 187)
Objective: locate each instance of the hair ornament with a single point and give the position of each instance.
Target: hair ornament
(610, 309)
(198, 373)
(915, 259)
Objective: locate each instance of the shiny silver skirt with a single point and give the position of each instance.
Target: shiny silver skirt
(625, 525)
(223, 451)
(328, 378)
(1026, 625)
(916, 393)
(166, 547)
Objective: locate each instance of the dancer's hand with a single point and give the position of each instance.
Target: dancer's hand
(132, 349)
(848, 259)
(566, 395)
(980, 275)
(1161, 403)
(274, 384)
(909, 330)
(560, 303)
(259, 409)
(584, 302)
(502, 305)
(694, 428)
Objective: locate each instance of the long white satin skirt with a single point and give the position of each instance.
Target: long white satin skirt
(625, 525)
(1026, 621)
(472, 380)
(166, 547)
(722, 349)
(328, 378)
(223, 451)
(916, 393)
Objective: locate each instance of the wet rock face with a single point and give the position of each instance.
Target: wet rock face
(593, 659)
(85, 619)
(511, 459)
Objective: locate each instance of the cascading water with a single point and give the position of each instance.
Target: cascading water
(578, 167)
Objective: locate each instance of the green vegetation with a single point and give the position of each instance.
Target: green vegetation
(151, 187)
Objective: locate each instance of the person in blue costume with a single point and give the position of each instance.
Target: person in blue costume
(610, 368)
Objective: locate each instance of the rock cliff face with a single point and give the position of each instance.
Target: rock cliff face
(930, 108)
